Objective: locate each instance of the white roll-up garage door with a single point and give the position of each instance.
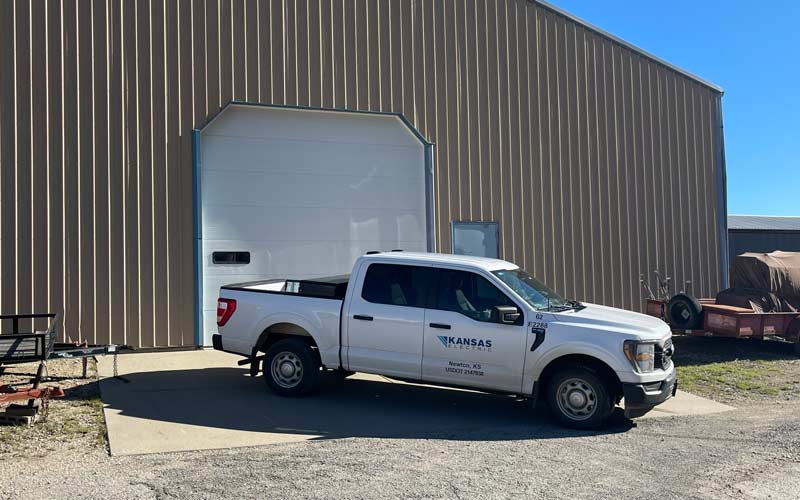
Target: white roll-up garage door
(302, 193)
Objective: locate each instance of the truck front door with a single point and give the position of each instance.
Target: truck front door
(465, 343)
(384, 321)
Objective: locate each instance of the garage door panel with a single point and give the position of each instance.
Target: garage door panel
(305, 193)
(291, 259)
(312, 224)
(280, 259)
(312, 125)
(269, 189)
(309, 157)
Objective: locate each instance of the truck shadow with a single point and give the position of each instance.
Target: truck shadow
(703, 350)
(228, 398)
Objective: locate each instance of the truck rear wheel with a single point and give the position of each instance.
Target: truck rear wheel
(579, 398)
(291, 368)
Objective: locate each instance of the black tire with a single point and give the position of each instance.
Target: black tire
(291, 353)
(685, 312)
(583, 382)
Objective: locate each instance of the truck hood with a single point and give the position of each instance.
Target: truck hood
(603, 318)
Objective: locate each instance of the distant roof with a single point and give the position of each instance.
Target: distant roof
(764, 222)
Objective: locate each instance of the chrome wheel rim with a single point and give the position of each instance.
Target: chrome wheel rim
(576, 399)
(286, 369)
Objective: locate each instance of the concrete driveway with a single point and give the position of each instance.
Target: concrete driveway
(193, 400)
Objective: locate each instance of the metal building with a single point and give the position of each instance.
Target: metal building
(762, 233)
(578, 156)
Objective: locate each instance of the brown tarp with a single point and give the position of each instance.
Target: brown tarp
(766, 281)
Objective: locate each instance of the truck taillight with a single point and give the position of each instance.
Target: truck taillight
(225, 309)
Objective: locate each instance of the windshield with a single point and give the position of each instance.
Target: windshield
(531, 290)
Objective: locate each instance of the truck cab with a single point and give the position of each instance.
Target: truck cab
(451, 320)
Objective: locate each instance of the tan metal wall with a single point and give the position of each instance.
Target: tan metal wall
(598, 162)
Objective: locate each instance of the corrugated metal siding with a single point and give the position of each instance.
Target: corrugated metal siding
(598, 162)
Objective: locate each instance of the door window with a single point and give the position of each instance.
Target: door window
(396, 285)
(469, 294)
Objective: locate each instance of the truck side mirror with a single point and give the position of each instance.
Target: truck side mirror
(508, 315)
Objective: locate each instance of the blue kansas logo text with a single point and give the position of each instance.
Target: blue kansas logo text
(464, 343)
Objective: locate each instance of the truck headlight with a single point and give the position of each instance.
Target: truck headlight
(642, 355)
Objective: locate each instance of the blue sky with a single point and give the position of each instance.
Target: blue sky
(752, 51)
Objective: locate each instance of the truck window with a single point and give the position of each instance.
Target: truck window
(469, 294)
(396, 285)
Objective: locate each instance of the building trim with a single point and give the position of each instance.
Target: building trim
(722, 202)
(628, 45)
(400, 116)
(430, 201)
(197, 237)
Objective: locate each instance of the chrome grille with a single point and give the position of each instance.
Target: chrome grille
(663, 355)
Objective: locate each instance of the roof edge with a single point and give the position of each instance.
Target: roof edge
(628, 45)
(760, 215)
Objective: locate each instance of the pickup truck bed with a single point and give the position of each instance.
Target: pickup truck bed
(322, 297)
(332, 287)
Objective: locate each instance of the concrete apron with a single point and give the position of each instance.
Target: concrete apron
(195, 400)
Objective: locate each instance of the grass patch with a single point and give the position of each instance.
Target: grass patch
(737, 370)
(743, 375)
(74, 422)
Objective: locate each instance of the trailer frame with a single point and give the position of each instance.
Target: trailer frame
(736, 322)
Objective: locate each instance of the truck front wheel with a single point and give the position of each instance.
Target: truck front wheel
(579, 398)
(290, 368)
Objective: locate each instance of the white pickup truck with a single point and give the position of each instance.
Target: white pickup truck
(450, 320)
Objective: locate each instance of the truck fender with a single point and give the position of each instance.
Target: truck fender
(537, 364)
(277, 318)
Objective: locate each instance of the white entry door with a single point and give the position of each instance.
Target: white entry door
(302, 193)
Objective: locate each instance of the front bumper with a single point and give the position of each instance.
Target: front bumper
(641, 398)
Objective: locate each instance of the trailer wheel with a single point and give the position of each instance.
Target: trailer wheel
(291, 368)
(579, 398)
(685, 312)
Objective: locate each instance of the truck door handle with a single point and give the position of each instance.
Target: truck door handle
(440, 325)
(362, 317)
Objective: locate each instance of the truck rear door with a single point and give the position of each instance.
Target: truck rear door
(384, 320)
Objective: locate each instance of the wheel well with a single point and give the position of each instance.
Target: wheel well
(280, 331)
(596, 365)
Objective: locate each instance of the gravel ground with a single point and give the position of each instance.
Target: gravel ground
(752, 452)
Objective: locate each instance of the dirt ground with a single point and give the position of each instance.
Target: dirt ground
(74, 422)
(752, 452)
(749, 453)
